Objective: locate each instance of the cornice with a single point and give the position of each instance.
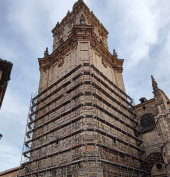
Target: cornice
(146, 102)
(116, 63)
(9, 171)
(81, 33)
(49, 60)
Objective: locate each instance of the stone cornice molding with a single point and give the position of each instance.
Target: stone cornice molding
(81, 33)
(116, 63)
(145, 103)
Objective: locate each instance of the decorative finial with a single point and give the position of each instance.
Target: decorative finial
(57, 24)
(76, 3)
(46, 52)
(154, 83)
(82, 20)
(114, 53)
(68, 12)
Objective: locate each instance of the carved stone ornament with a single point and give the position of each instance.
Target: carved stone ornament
(163, 113)
(60, 61)
(104, 62)
(82, 20)
(115, 62)
(70, 25)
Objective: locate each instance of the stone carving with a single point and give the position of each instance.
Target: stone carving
(70, 25)
(114, 54)
(60, 61)
(46, 53)
(163, 113)
(73, 18)
(104, 62)
(82, 20)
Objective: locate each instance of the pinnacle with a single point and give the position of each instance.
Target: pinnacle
(76, 3)
(154, 83)
(46, 53)
(115, 53)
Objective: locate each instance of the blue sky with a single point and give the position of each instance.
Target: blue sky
(138, 30)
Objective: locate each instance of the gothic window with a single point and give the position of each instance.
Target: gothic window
(147, 122)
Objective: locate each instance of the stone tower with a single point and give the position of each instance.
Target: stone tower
(81, 122)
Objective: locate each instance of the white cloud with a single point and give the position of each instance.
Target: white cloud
(164, 62)
(10, 156)
(139, 23)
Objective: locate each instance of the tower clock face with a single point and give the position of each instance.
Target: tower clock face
(147, 120)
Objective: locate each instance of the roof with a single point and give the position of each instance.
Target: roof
(9, 171)
(144, 103)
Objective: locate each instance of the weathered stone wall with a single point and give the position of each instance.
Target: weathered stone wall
(10, 173)
(151, 138)
(59, 68)
(113, 122)
(152, 142)
(156, 137)
(163, 124)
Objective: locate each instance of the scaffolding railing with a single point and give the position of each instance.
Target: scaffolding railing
(82, 124)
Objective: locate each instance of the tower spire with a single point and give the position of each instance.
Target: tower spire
(154, 84)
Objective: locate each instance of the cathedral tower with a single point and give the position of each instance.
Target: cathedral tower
(81, 122)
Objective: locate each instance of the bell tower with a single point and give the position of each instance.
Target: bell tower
(80, 37)
(81, 122)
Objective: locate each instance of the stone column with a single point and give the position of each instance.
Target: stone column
(163, 124)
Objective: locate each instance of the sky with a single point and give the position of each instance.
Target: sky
(139, 31)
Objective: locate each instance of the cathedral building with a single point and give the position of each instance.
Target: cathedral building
(154, 118)
(81, 122)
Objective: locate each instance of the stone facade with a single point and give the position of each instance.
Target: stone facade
(81, 122)
(153, 116)
(10, 173)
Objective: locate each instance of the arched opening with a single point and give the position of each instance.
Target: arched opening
(147, 122)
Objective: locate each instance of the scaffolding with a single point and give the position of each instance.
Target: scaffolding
(82, 125)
